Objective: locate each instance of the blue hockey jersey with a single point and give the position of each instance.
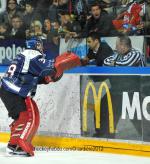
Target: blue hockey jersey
(26, 71)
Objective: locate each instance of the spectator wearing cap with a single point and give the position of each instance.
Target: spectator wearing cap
(30, 14)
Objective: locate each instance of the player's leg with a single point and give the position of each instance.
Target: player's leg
(25, 127)
(14, 105)
(26, 121)
(31, 103)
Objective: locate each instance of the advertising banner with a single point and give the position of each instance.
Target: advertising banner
(115, 106)
(9, 49)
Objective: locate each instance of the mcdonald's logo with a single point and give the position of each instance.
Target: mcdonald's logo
(97, 105)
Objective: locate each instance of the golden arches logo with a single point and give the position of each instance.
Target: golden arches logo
(97, 105)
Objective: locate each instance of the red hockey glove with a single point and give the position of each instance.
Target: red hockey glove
(63, 62)
(66, 61)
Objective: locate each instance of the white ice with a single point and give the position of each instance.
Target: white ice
(71, 157)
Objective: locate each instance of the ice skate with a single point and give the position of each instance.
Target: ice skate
(14, 150)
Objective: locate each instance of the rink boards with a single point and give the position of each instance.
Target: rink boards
(104, 110)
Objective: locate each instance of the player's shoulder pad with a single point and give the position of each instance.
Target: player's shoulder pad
(30, 54)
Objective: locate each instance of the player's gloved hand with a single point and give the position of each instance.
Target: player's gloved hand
(52, 78)
(63, 62)
(56, 78)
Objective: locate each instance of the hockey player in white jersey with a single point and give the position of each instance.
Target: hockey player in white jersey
(18, 86)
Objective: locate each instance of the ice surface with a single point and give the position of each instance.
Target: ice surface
(71, 157)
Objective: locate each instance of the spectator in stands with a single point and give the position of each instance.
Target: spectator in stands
(36, 29)
(53, 11)
(31, 14)
(3, 31)
(98, 50)
(68, 25)
(63, 5)
(55, 39)
(146, 22)
(17, 30)
(126, 2)
(125, 55)
(52, 46)
(11, 10)
(107, 5)
(47, 25)
(58, 6)
(42, 7)
(129, 21)
(55, 25)
(48, 29)
(21, 5)
(99, 22)
(81, 9)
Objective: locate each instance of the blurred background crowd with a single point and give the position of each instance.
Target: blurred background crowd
(20, 19)
(54, 19)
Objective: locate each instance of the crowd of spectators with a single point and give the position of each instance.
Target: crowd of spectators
(52, 19)
(76, 18)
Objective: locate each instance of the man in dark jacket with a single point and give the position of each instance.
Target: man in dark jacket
(97, 50)
(99, 22)
(17, 30)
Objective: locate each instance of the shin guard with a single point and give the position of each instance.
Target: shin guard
(24, 128)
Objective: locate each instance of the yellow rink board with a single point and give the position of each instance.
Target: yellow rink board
(87, 145)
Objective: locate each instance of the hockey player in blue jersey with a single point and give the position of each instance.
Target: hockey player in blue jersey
(18, 86)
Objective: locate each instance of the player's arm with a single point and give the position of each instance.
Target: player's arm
(52, 71)
(42, 68)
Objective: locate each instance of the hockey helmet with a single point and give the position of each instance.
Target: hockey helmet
(34, 43)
